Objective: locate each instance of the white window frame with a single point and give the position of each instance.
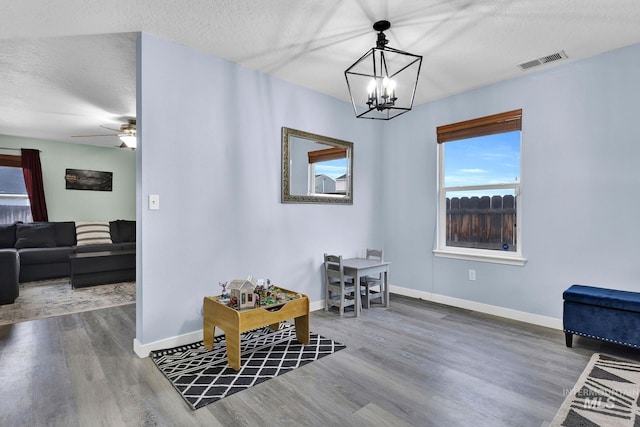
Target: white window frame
(474, 254)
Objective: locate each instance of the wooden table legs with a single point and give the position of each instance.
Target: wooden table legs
(234, 323)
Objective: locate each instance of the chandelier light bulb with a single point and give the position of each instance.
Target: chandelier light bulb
(372, 88)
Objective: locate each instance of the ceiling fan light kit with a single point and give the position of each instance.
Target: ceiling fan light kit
(382, 83)
(129, 140)
(128, 134)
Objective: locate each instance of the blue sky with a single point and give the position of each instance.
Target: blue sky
(485, 160)
(332, 168)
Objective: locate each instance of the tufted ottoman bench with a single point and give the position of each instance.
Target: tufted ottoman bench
(604, 314)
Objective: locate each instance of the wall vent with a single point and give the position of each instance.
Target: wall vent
(544, 60)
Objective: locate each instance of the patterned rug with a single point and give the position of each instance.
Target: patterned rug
(203, 376)
(49, 298)
(606, 394)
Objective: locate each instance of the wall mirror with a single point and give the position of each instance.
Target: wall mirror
(316, 168)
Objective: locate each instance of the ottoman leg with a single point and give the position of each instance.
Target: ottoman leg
(568, 338)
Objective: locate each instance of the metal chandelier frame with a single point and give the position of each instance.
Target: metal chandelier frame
(373, 79)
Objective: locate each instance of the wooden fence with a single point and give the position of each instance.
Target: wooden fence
(482, 222)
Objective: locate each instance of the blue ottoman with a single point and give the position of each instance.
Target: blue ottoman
(604, 314)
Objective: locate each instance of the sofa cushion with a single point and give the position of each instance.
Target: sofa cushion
(92, 233)
(35, 235)
(128, 246)
(97, 248)
(29, 256)
(7, 235)
(65, 233)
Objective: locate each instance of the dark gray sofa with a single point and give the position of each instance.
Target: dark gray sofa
(41, 251)
(9, 269)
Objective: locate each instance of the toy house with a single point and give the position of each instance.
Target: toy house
(241, 292)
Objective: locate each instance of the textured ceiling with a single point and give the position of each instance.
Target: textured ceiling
(68, 67)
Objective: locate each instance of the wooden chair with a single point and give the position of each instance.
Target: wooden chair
(340, 291)
(371, 287)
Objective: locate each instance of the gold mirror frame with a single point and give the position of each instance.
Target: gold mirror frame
(289, 137)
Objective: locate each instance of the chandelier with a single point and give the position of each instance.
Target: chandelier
(382, 83)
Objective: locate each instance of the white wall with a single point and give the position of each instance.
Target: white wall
(580, 183)
(82, 205)
(209, 145)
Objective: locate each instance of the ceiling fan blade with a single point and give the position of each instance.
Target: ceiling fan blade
(104, 127)
(89, 136)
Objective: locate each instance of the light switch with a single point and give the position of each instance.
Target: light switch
(154, 201)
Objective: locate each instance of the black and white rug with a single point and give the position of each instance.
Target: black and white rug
(606, 395)
(203, 376)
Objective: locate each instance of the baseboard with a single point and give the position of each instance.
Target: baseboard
(522, 316)
(143, 350)
(317, 305)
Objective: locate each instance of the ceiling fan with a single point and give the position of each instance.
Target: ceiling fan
(126, 133)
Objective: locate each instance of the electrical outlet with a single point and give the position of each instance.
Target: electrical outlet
(472, 275)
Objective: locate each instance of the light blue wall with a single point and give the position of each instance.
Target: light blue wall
(209, 146)
(82, 205)
(580, 182)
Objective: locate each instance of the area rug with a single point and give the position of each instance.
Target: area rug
(606, 394)
(203, 376)
(49, 298)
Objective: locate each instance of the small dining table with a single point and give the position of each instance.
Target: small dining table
(361, 267)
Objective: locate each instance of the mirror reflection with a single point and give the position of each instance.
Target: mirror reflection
(315, 168)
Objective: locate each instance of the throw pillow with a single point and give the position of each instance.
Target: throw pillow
(127, 230)
(65, 233)
(113, 229)
(35, 235)
(7, 235)
(92, 233)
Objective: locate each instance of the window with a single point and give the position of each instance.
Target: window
(14, 201)
(479, 189)
(328, 171)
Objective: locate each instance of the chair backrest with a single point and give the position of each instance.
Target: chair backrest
(334, 272)
(374, 254)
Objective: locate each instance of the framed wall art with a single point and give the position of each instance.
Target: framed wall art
(81, 179)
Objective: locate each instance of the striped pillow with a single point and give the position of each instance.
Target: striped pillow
(93, 233)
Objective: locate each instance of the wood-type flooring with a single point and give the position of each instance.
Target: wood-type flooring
(415, 363)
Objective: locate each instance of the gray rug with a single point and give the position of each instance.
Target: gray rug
(606, 395)
(49, 298)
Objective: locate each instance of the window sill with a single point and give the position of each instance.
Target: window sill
(502, 258)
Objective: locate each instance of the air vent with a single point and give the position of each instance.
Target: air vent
(544, 60)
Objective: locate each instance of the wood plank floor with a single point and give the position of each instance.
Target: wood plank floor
(413, 364)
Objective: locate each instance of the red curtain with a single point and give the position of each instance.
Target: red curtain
(32, 171)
